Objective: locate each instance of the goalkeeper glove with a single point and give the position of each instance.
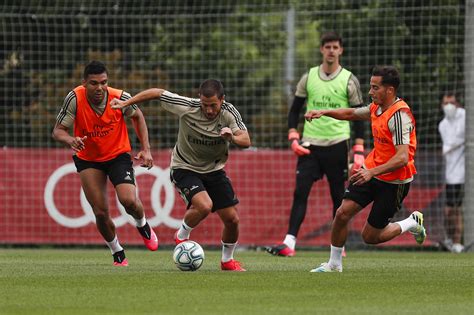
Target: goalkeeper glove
(358, 151)
(299, 150)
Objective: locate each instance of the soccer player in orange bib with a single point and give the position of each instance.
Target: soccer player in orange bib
(102, 149)
(387, 172)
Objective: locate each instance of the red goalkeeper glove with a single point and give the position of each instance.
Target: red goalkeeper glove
(299, 150)
(358, 151)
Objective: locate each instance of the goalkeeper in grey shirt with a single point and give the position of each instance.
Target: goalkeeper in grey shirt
(207, 125)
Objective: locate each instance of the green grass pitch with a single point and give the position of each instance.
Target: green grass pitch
(83, 281)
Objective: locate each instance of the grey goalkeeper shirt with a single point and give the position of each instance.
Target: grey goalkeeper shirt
(199, 147)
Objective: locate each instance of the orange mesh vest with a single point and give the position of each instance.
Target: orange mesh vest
(384, 149)
(107, 134)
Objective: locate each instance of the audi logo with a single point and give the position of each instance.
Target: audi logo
(161, 210)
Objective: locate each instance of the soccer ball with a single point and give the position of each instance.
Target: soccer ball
(188, 256)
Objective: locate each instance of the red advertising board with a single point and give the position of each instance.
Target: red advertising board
(42, 202)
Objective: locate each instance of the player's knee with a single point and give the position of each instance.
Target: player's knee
(129, 203)
(233, 220)
(342, 216)
(101, 215)
(204, 208)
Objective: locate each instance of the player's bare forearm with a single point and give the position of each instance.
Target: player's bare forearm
(143, 96)
(340, 114)
(61, 134)
(141, 129)
(397, 161)
(147, 95)
(240, 138)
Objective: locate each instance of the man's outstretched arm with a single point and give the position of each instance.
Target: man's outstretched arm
(143, 96)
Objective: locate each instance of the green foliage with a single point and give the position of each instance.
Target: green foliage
(177, 44)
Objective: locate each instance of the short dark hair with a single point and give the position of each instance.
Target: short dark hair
(449, 94)
(94, 67)
(331, 37)
(389, 74)
(211, 87)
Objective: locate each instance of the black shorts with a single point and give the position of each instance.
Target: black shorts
(387, 199)
(119, 170)
(331, 161)
(454, 195)
(217, 185)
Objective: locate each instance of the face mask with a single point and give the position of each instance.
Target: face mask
(449, 111)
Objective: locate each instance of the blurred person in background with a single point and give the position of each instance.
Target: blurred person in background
(324, 146)
(452, 131)
(102, 150)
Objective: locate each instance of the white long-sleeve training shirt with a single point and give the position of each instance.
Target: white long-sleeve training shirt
(453, 136)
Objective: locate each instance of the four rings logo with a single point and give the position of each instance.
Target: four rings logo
(162, 211)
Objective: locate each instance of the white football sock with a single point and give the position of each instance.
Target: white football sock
(140, 222)
(290, 241)
(184, 231)
(335, 260)
(407, 225)
(228, 251)
(114, 245)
